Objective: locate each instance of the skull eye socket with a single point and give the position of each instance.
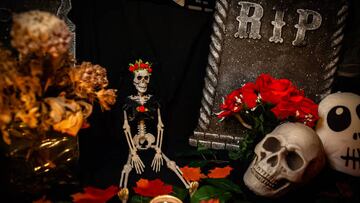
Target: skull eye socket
(294, 160)
(272, 144)
(146, 77)
(339, 118)
(358, 110)
(139, 77)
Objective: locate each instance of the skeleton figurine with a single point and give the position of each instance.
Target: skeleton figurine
(141, 108)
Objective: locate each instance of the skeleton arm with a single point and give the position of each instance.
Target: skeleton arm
(135, 159)
(127, 132)
(160, 131)
(158, 159)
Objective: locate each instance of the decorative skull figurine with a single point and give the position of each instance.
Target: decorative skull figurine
(141, 80)
(339, 130)
(290, 155)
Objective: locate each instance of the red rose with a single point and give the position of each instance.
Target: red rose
(237, 99)
(141, 108)
(224, 114)
(301, 108)
(143, 65)
(131, 68)
(149, 69)
(136, 66)
(307, 112)
(249, 95)
(284, 109)
(275, 90)
(232, 102)
(152, 188)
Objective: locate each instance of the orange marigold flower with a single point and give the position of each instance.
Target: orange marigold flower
(220, 172)
(192, 173)
(42, 200)
(95, 195)
(152, 188)
(142, 183)
(210, 201)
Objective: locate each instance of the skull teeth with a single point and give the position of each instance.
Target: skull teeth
(265, 178)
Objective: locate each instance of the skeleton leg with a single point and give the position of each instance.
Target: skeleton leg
(124, 192)
(172, 166)
(125, 173)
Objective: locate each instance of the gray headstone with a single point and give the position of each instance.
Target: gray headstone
(295, 39)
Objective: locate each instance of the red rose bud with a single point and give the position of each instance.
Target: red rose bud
(131, 68)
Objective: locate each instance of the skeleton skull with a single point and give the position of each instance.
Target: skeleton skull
(289, 156)
(339, 130)
(141, 80)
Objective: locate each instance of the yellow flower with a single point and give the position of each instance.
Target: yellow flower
(30, 117)
(71, 124)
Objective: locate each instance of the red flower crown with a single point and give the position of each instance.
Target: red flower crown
(139, 64)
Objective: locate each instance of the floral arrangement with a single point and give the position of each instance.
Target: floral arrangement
(216, 188)
(140, 65)
(262, 105)
(219, 181)
(41, 87)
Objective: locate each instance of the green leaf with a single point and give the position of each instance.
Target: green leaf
(200, 163)
(224, 184)
(197, 152)
(180, 193)
(209, 192)
(234, 154)
(139, 199)
(261, 117)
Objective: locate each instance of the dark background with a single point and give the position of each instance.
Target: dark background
(176, 41)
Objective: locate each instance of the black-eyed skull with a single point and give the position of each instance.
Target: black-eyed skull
(287, 157)
(141, 80)
(339, 130)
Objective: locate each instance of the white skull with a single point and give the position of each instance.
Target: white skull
(339, 130)
(290, 155)
(141, 80)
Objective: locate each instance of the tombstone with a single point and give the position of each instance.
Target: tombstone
(60, 8)
(295, 39)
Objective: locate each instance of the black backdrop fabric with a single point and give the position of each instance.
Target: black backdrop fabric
(176, 40)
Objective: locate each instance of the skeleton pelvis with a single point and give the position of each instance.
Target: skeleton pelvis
(143, 141)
